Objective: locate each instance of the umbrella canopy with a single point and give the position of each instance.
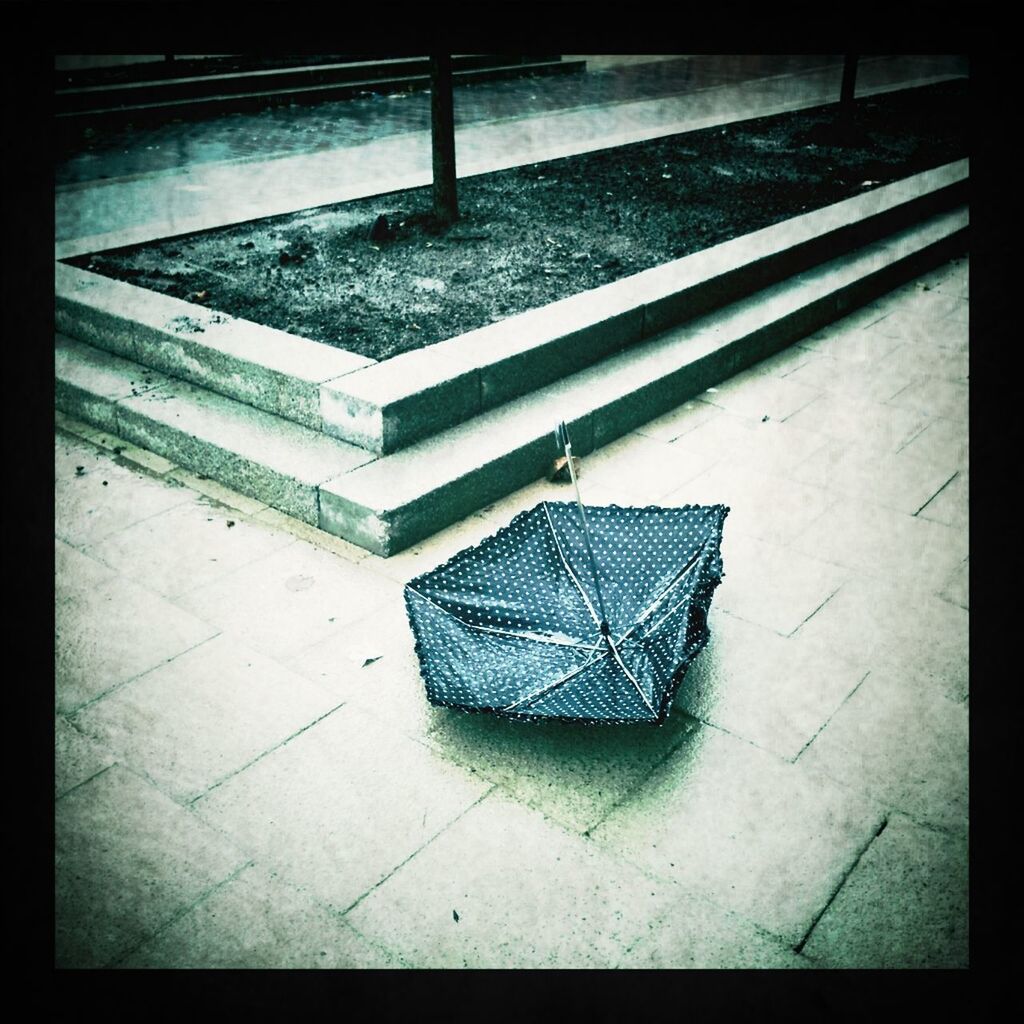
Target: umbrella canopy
(581, 617)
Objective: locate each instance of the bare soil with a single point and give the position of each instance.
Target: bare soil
(377, 276)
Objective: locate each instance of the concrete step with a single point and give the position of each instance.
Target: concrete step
(258, 454)
(386, 503)
(388, 406)
(395, 501)
(254, 87)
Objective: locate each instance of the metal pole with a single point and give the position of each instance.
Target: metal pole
(562, 434)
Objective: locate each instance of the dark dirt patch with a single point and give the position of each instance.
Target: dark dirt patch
(376, 276)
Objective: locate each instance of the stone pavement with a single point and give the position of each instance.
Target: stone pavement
(248, 773)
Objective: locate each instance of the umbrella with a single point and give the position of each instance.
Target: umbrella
(574, 613)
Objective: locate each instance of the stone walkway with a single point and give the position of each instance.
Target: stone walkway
(248, 773)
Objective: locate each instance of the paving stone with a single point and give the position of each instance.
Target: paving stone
(774, 692)
(341, 805)
(256, 921)
(373, 665)
(289, 600)
(502, 512)
(910, 360)
(773, 586)
(774, 446)
(926, 304)
(218, 492)
(851, 346)
(87, 509)
(821, 339)
(896, 480)
(696, 934)
(76, 574)
(865, 382)
(762, 505)
(718, 799)
(877, 622)
(643, 469)
(783, 363)
(885, 544)
(127, 860)
(952, 504)
(76, 758)
(195, 721)
(872, 424)
(935, 397)
(903, 743)
(905, 906)
(278, 520)
(755, 393)
(573, 773)
(944, 442)
(503, 888)
(943, 332)
(957, 588)
(677, 422)
(206, 548)
(115, 632)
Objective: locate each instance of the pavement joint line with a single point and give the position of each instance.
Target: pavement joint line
(183, 912)
(835, 711)
(118, 686)
(815, 612)
(798, 948)
(259, 757)
(95, 775)
(937, 493)
(444, 828)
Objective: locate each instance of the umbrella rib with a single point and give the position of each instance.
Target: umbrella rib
(568, 568)
(548, 687)
(629, 675)
(654, 604)
(536, 637)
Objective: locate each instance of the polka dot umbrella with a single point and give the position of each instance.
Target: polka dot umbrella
(571, 612)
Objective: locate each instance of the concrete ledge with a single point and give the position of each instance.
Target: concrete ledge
(258, 454)
(393, 404)
(394, 502)
(387, 406)
(269, 369)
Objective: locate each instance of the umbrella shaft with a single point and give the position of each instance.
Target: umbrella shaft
(586, 536)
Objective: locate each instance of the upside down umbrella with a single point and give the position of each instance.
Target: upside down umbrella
(571, 612)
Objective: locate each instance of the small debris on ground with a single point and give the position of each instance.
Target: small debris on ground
(559, 472)
(231, 523)
(79, 470)
(370, 661)
(455, 916)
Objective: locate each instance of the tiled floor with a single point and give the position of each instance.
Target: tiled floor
(248, 773)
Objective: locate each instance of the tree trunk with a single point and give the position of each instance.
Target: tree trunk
(442, 132)
(849, 79)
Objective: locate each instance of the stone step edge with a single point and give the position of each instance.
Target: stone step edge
(396, 501)
(390, 405)
(301, 380)
(129, 400)
(258, 454)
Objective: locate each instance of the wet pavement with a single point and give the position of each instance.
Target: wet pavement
(248, 773)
